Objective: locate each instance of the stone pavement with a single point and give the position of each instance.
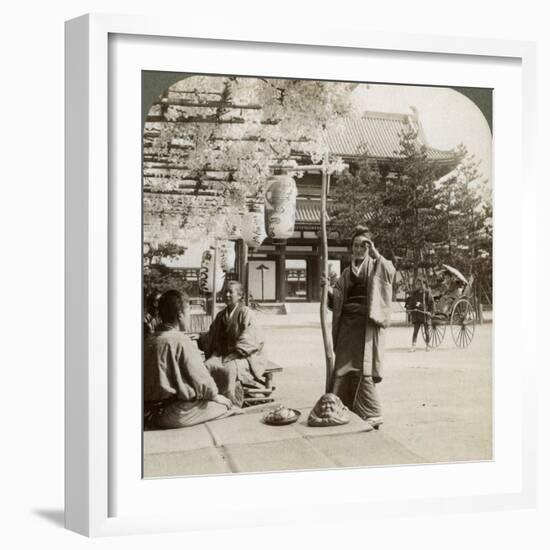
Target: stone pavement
(243, 443)
(437, 407)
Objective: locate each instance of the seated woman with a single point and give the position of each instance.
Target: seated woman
(178, 389)
(451, 293)
(234, 347)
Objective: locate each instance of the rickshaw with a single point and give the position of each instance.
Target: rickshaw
(453, 307)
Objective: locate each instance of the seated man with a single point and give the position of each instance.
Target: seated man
(234, 347)
(178, 389)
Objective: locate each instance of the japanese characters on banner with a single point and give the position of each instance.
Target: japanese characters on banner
(206, 272)
(253, 226)
(280, 201)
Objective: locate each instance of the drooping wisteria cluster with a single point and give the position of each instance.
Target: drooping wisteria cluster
(211, 143)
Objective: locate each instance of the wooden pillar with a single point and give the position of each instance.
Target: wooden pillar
(242, 269)
(238, 258)
(315, 275)
(214, 282)
(309, 278)
(280, 273)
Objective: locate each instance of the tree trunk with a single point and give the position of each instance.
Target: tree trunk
(478, 304)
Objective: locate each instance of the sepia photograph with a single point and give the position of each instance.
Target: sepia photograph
(317, 274)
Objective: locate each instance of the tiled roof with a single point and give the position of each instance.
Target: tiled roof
(308, 212)
(378, 135)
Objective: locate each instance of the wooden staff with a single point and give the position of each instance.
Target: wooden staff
(327, 339)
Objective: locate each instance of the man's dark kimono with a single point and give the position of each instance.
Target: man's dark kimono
(421, 300)
(234, 351)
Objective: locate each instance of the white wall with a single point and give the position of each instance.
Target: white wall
(255, 280)
(31, 456)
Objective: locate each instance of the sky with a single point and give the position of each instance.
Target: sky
(448, 117)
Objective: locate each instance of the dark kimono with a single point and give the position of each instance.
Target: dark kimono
(419, 301)
(234, 351)
(361, 303)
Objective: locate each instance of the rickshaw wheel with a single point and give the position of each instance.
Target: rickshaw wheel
(434, 333)
(462, 323)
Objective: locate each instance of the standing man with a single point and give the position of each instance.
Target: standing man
(420, 305)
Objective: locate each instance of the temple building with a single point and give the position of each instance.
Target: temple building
(291, 272)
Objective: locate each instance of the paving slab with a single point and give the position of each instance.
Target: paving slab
(366, 449)
(247, 429)
(355, 425)
(453, 441)
(182, 439)
(271, 456)
(186, 463)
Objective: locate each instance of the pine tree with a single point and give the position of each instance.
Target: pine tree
(468, 223)
(401, 209)
(419, 219)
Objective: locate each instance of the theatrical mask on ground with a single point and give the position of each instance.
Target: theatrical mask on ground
(317, 274)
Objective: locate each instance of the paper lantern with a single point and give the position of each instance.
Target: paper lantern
(253, 228)
(226, 252)
(280, 201)
(206, 273)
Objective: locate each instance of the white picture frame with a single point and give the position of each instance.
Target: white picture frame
(95, 487)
